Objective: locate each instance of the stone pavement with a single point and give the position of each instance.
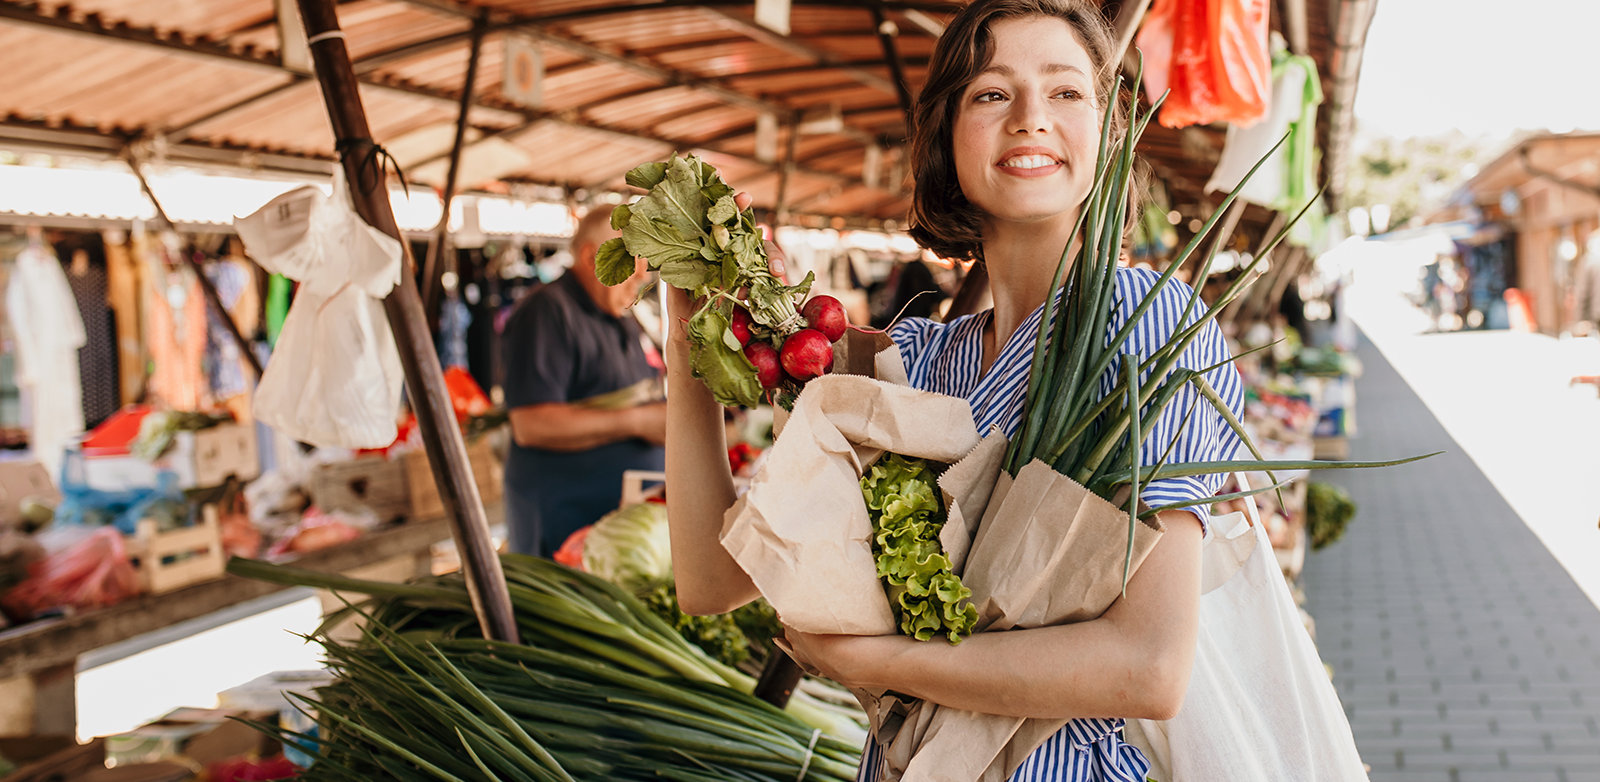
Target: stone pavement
(1462, 650)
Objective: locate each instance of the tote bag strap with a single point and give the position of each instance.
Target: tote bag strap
(1251, 510)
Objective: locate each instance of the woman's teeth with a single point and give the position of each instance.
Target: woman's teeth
(1029, 161)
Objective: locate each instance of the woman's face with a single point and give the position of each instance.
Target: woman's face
(1027, 129)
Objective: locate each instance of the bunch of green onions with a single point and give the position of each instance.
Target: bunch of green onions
(470, 709)
(575, 627)
(1096, 440)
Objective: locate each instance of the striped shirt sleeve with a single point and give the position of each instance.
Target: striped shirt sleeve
(912, 336)
(1205, 436)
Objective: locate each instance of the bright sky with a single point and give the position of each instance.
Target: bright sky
(1482, 66)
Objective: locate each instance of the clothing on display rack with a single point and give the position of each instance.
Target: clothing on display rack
(454, 318)
(177, 339)
(224, 363)
(48, 332)
(124, 282)
(97, 359)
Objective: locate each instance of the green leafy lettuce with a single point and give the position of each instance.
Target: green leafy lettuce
(907, 514)
(690, 231)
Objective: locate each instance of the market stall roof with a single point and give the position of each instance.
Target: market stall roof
(1569, 159)
(623, 82)
(200, 200)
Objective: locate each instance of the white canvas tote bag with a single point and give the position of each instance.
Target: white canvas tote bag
(1260, 707)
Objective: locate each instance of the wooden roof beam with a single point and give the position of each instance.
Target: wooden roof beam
(798, 49)
(149, 38)
(182, 131)
(535, 29)
(1351, 20)
(91, 25)
(1295, 30)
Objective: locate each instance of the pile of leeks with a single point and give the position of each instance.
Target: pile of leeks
(601, 689)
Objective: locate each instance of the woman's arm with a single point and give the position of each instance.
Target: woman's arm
(1133, 661)
(699, 480)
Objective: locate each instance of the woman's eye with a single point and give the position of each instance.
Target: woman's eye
(988, 96)
(1070, 94)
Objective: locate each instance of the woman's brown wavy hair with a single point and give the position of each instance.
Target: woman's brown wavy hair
(942, 219)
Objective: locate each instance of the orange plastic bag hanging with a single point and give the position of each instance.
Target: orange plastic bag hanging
(1217, 63)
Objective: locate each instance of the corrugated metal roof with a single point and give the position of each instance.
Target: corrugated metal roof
(111, 192)
(625, 82)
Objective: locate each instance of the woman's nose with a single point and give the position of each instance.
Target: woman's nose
(1028, 115)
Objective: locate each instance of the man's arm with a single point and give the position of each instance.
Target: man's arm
(558, 426)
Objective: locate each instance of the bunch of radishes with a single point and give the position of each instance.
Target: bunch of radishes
(800, 356)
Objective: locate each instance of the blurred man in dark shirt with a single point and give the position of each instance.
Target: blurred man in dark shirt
(583, 399)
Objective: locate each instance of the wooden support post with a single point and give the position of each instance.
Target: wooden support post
(1129, 16)
(1291, 272)
(780, 210)
(446, 450)
(207, 290)
(897, 70)
(1295, 29)
(440, 248)
(1250, 302)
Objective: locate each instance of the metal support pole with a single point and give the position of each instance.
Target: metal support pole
(447, 451)
(207, 290)
(780, 209)
(433, 270)
(897, 71)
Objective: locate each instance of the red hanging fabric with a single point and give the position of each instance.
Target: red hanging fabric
(1213, 56)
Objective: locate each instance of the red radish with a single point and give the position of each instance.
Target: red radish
(766, 361)
(826, 314)
(740, 326)
(806, 354)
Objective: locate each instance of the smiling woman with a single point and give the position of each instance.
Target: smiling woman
(1004, 149)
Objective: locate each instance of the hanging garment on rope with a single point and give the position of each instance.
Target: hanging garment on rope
(1287, 180)
(44, 319)
(176, 314)
(334, 377)
(225, 368)
(97, 359)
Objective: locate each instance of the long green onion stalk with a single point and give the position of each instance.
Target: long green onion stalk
(470, 709)
(1099, 440)
(559, 611)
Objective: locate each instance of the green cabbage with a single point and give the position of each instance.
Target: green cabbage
(630, 545)
(904, 503)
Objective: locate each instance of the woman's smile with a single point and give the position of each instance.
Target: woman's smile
(1030, 162)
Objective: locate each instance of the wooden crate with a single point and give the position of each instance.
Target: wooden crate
(487, 472)
(197, 549)
(1335, 448)
(369, 482)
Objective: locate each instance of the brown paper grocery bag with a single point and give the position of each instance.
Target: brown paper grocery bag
(1048, 552)
(802, 531)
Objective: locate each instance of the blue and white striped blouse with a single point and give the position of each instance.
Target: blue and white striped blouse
(947, 359)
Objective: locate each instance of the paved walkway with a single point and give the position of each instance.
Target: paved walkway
(1463, 650)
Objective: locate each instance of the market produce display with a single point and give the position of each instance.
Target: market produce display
(632, 548)
(907, 515)
(1329, 509)
(749, 334)
(625, 681)
(470, 709)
